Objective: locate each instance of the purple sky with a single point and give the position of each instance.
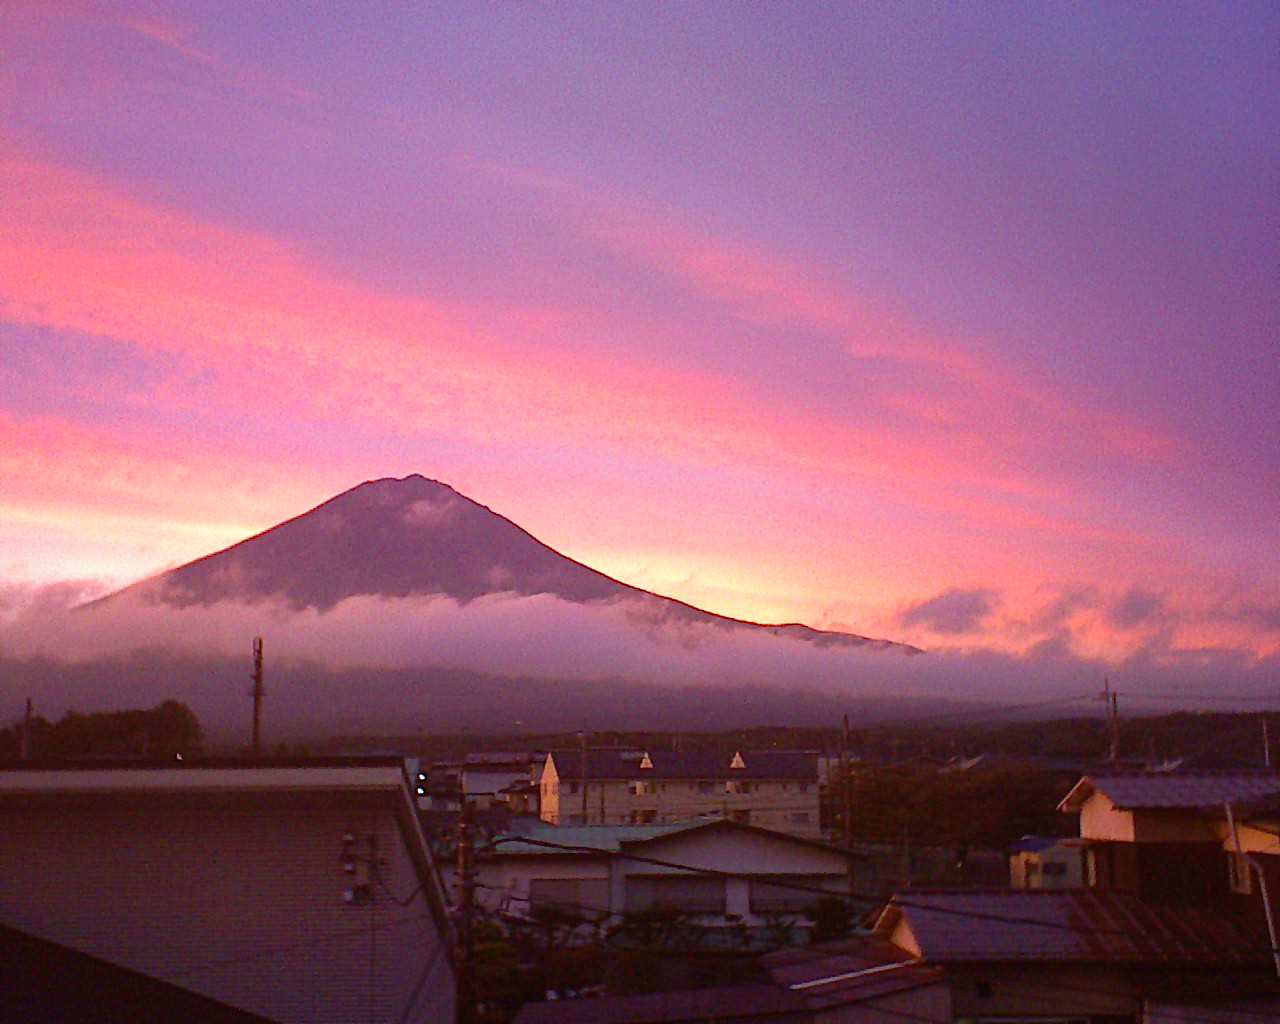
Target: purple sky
(952, 324)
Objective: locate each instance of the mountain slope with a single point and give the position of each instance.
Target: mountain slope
(398, 538)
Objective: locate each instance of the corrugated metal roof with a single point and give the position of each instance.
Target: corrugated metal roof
(847, 971)
(725, 1005)
(1140, 792)
(1083, 925)
(605, 838)
(693, 764)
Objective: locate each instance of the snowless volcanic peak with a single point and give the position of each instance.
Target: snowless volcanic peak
(400, 538)
(391, 538)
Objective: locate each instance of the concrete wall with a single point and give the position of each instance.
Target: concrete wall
(238, 898)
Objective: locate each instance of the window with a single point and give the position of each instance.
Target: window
(804, 787)
(573, 787)
(736, 786)
(641, 788)
(706, 787)
(798, 817)
(791, 893)
(698, 894)
(582, 895)
(1055, 869)
(742, 817)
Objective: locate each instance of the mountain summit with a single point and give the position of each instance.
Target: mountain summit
(414, 536)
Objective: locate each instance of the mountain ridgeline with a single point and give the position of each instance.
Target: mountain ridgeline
(418, 537)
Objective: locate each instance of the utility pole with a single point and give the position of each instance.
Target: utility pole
(1266, 742)
(24, 739)
(1110, 704)
(466, 899)
(582, 743)
(1115, 726)
(257, 695)
(847, 786)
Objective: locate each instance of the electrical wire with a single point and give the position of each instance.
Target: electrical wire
(850, 896)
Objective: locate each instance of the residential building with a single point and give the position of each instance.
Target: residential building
(1170, 837)
(773, 789)
(1041, 862)
(295, 891)
(486, 778)
(727, 873)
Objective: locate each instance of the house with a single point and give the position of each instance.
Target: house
(1041, 862)
(1073, 953)
(293, 891)
(721, 872)
(773, 789)
(486, 778)
(1171, 836)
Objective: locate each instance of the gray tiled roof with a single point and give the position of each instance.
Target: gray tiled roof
(1082, 925)
(1132, 792)
(667, 764)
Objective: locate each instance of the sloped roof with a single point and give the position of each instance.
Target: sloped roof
(1081, 925)
(47, 981)
(605, 838)
(690, 764)
(612, 838)
(725, 1005)
(1173, 791)
(851, 970)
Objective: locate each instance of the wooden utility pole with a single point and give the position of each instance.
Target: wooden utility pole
(1110, 704)
(257, 694)
(466, 906)
(1115, 726)
(846, 785)
(582, 743)
(1266, 742)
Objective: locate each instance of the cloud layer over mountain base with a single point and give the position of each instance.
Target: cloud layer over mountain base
(506, 663)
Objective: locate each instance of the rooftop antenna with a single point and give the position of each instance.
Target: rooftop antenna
(257, 694)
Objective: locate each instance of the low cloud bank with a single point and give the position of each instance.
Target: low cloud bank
(372, 664)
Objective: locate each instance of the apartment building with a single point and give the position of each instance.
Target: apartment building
(771, 789)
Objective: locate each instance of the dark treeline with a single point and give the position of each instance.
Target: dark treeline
(164, 731)
(1209, 739)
